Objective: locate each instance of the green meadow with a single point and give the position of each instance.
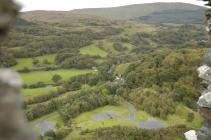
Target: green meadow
(37, 91)
(46, 76)
(181, 117)
(93, 51)
(86, 120)
(27, 62)
(128, 46)
(120, 69)
(56, 119)
(108, 46)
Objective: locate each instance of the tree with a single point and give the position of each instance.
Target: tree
(75, 86)
(26, 69)
(35, 61)
(119, 47)
(131, 80)
(45, 61)
(56, 78)
(6, 58)
(50, 133)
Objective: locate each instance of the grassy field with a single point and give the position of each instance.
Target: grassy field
(56, 119)
(87, 117)
(46, 76)
(99, 61)
(142, 116)
(37, 91)
(86, 121)
(108, 46)
(128, 46)
(27, 62)
(93, 51)
(181, 116)
(120, 69)
(132, 28)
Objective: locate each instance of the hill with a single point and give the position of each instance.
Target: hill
(174, 16)
(64, 17)
(163, 12)
(153, 13)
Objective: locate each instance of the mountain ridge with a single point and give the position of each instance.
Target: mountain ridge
(151, 13)
(136, 10)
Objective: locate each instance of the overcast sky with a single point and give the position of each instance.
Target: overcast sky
(65, 5)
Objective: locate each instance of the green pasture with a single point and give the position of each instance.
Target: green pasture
(56, 119)
(93, 51)
(27, 62)
(108, 46)
(128, 46)
(86, 121)
(181, 117)
(37, 91)
(46, 76)
(120, 69)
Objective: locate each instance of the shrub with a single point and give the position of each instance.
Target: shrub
(56, 78)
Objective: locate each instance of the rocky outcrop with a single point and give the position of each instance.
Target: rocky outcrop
(205, 132)
(208, 58)
(206, 113)
(13, 125)
(191, 135)
(204, 101)
(205, 73)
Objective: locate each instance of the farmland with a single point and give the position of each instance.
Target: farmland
(46, 76)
